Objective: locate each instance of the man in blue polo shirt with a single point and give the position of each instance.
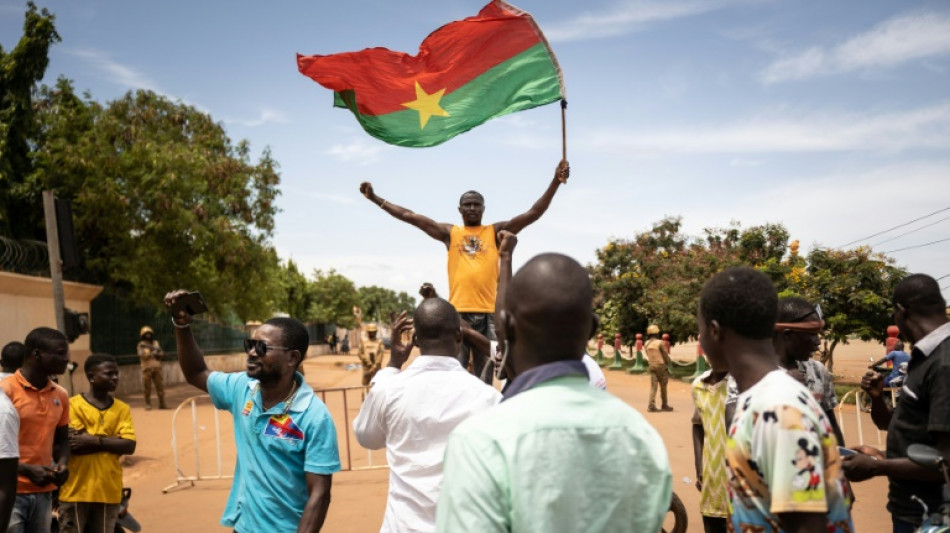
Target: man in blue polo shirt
(286, 441)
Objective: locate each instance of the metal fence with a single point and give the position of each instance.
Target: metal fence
(213, 455)
(117, 320)
(26, 257)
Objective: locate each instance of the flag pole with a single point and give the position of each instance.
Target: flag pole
(563, 130)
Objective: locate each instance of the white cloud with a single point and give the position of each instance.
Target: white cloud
(116, 72)
(267, 116)
(892, 42)
(627, 16)
(358, 151)
(741, 162)
(788, 131)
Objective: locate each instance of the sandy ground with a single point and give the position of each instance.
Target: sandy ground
(359, 496)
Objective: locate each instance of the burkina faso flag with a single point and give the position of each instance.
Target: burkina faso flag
(465, 73)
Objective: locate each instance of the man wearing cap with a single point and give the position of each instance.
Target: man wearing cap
(150, 354)
(371, 354)
(658, 358)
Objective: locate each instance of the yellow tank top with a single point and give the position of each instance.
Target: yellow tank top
(473, 269)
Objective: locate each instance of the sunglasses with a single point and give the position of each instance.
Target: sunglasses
(260, 348)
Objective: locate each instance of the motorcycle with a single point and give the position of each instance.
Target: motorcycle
(896, 384)
(928, 457)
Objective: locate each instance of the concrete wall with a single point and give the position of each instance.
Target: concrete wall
(26, 302)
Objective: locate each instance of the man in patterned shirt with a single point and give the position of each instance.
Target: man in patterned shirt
(709, 447)
(796, 340)
(784, 468)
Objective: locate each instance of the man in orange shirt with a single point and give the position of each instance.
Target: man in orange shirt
(473, 255)
(43, 407)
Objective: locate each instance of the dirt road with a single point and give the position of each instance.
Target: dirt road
(359, 497)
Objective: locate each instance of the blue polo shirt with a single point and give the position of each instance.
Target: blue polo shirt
(274, 452)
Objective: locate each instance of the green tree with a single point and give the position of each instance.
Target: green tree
(20, 70)
(854, 288)
(657, 276)
(378, 303)
(334, 297)
(161, 198)
(296, 292)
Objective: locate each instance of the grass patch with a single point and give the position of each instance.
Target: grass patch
(842, 389)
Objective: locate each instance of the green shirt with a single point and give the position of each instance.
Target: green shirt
(562, 456)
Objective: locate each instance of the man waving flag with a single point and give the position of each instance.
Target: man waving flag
(466, 73)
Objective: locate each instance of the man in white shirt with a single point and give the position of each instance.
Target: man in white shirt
(411, 413)
(9, 456)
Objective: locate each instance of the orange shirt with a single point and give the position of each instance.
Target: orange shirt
(473, 269)
(41, 412)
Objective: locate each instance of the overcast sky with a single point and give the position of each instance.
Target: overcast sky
(832, 118)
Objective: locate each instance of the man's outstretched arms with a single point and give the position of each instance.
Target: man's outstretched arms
(437, 230)
(520, 222)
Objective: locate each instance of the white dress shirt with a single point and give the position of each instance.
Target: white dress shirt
(411, 413)
(9, 429)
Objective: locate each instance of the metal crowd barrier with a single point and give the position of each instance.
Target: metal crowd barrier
(859, 414)
(190, 405)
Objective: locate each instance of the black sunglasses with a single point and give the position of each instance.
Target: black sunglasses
(260, 347)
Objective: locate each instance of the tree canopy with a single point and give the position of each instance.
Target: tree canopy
(21, 69)
(656, 278)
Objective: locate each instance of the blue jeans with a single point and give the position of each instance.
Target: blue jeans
(901, 526)
(32, 513)
(483, 323)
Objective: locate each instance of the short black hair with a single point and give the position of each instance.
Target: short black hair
(12, 355)
(434, 319)
(41, 338)
(743, 300)
(794, 309)
(294, 334)
(97, 359)
(476, 193)
(920, 293)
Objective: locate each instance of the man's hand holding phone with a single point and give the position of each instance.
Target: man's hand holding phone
(183, 305)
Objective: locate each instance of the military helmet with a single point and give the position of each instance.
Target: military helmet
(653, 329)
(371, 328)
(144, 330)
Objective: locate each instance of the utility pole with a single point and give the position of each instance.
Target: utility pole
(55, 267)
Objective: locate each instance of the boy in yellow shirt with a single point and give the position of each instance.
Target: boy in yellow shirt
(100, 431)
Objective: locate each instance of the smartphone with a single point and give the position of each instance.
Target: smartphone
(844, 452)
(191, 303)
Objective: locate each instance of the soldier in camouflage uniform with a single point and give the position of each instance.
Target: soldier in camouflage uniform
(371, 354)
(658, 358)
(150, 354)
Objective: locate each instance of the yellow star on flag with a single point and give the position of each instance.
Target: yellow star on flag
(427, 105)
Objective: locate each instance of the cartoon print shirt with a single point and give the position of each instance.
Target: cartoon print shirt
(783, 457)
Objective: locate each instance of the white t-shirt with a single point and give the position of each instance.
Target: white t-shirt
(9, 429)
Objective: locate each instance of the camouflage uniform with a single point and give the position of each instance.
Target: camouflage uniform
(371, 355)
(658, 358)
(150, 355)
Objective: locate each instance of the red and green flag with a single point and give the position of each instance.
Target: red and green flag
(466, 73)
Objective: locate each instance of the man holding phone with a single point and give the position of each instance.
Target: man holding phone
(286, 441)
(922, 414)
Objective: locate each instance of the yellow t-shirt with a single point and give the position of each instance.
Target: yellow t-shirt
(97, 477)
(473, 269)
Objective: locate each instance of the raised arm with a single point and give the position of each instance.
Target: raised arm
(506, 246)
(437, 230)
(190, 358)
(521, 221)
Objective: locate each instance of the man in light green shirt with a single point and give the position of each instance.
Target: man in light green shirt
(556, 454)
